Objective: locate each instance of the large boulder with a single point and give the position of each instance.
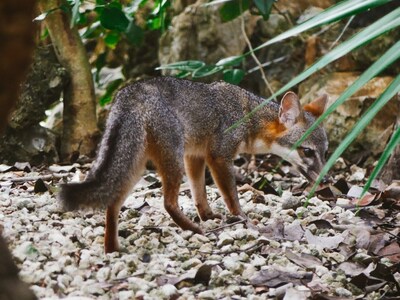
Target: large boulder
(199, 33)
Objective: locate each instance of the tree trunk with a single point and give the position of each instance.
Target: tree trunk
(80, 132)
(391, 171)
(16, 47)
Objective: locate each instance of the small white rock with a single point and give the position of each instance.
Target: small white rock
(77, 281)
(168, 290)
(189, 264)
(207, 295)
(125, 295)
(342, 292)
(103, 274)
(224, 239)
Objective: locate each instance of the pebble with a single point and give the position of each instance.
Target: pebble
(207, 295)
(224, 239)
(168, 290)
(103, 274)
(125, 295)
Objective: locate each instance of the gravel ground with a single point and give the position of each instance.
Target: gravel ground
(274, 254)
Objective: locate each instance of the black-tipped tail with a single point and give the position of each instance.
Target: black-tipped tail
(81, 195)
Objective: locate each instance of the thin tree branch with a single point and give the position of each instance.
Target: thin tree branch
(343, 31)
(246, 38)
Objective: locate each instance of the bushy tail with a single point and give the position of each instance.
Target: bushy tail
(81, 195)
(119, 164)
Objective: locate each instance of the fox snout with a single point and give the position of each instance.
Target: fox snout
(312, 162)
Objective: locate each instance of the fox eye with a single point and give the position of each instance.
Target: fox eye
(308, 152)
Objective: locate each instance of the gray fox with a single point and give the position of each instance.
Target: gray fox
(181, 126)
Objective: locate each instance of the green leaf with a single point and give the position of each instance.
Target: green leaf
(75, 13)
(233, 9)
(365, 119)
(206, 70)
(216, 2)
(233, 76)
(43, 16)
(112, 39)
(114, 19)
(264, 6)
(183, 74)
(154, 23)
(230, 61)
(331, 14)
(158, 18)
(134, 33)
(111, 88)
(93, 31)
(134, 6)
(160, 6)
(185, 65)
(100, 63)
(393, 142)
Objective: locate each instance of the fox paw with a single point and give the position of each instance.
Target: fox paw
(210, 215)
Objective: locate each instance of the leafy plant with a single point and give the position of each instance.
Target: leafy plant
(230, 10)
(335, 13)
(111, 22)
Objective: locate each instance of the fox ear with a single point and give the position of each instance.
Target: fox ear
(290, 109)
(318, 106)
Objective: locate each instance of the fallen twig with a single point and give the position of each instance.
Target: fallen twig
(35, 178)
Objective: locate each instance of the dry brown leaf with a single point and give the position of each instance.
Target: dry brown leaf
(322, 224)
(274, 230)
(264, 186)
(364, 201)
(329, 242)
(362, 235)
(202, 275)
(247, 187)
(294, 232)
(351, 269)
(305, 260)
(393, 190)
(326, 194)
(377, 242)
(391, 251)
(342, 186)
(273, 277)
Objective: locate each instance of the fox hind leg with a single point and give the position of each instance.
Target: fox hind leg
(112, 214)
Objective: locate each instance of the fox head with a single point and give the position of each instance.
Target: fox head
(309, 157)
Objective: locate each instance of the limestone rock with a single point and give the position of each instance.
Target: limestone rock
(198, 33)
(296, 8)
